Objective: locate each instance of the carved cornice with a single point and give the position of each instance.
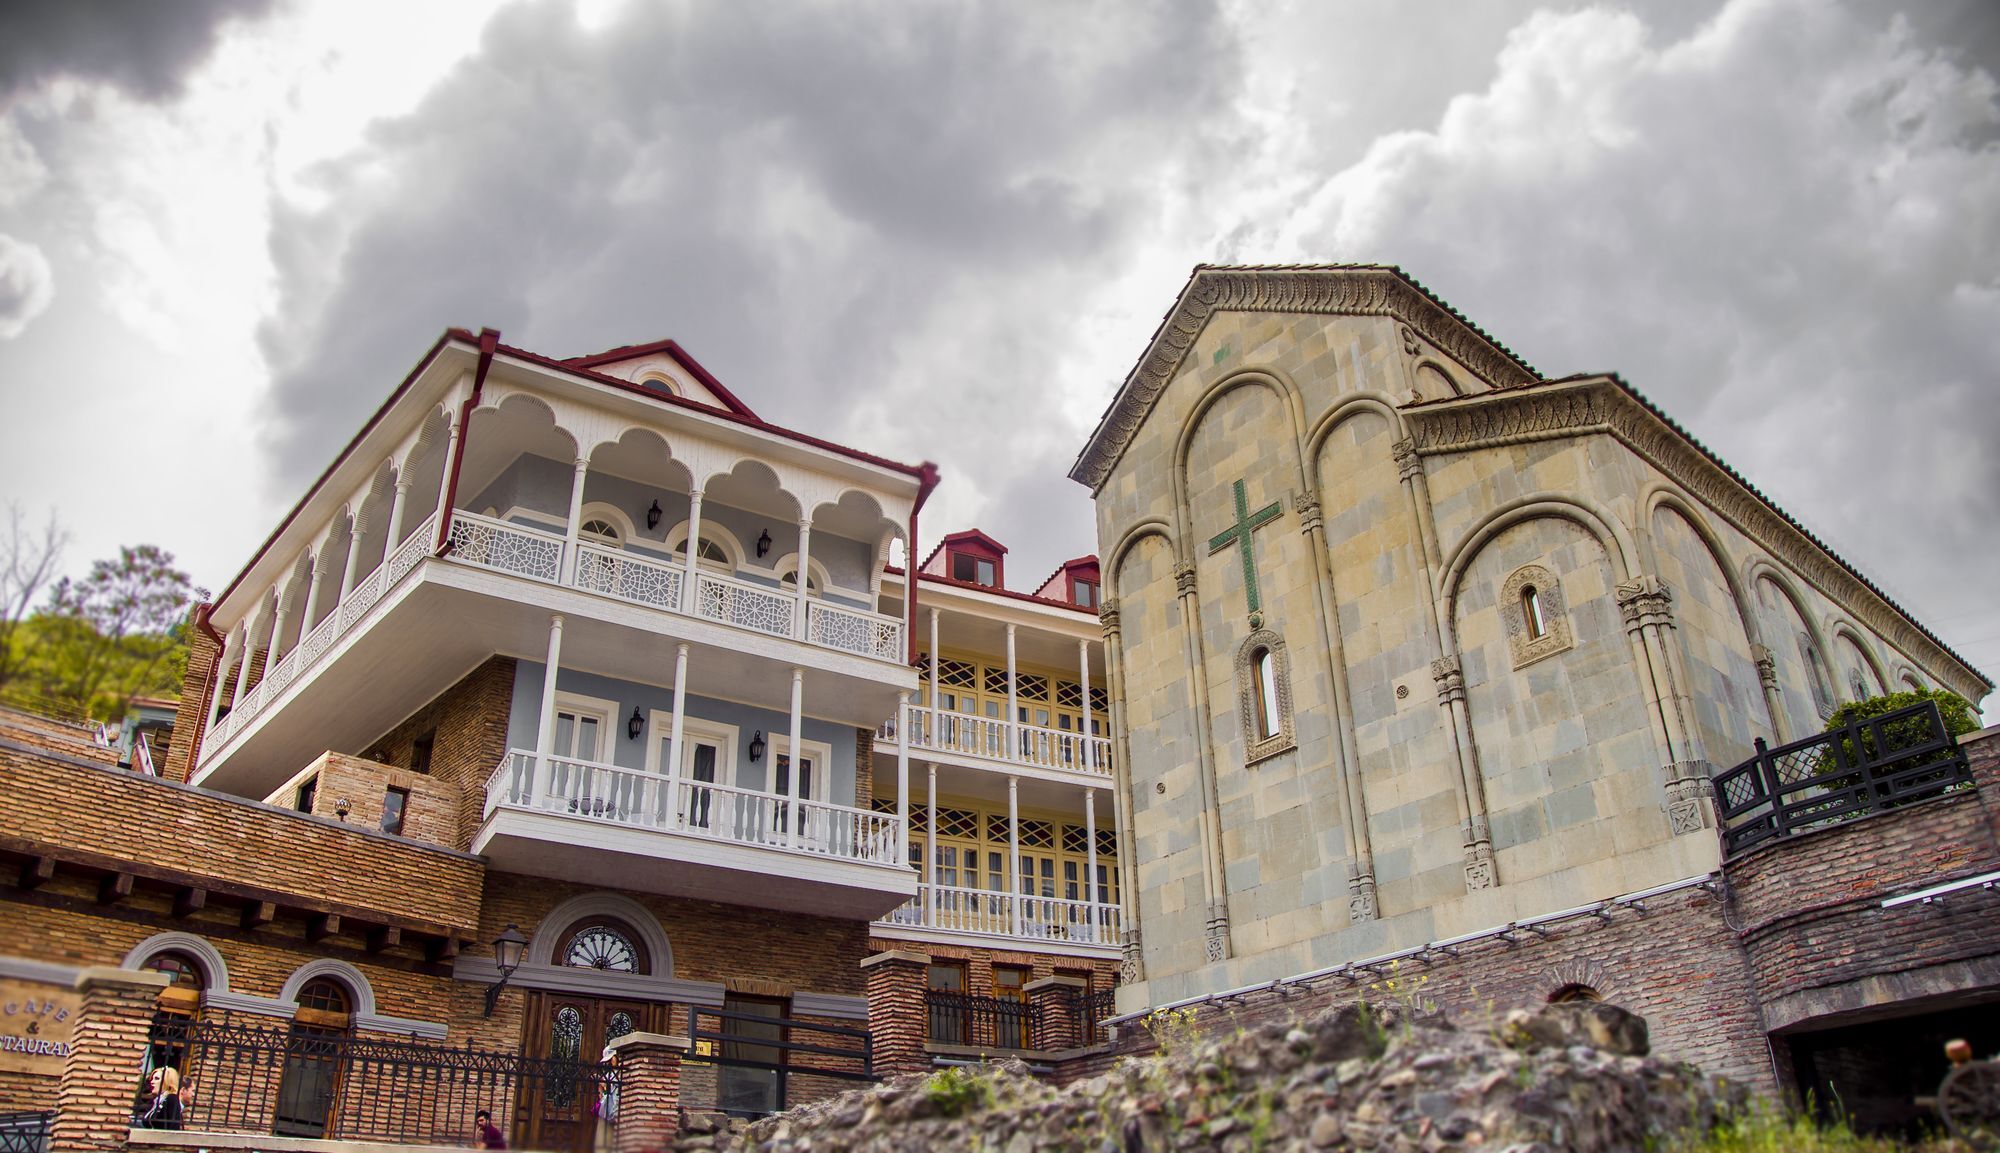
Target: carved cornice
(1609, 406)
(1341, 290)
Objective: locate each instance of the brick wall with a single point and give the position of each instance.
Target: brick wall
(1982, 752)
(468, 727)
(864, 767)
(193, 713)
(61, 737)
(979, 963)
(430, 812)
(107, 817)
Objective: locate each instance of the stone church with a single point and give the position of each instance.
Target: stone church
(1408, 643)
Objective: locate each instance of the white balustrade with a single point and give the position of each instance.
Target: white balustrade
(510, 548)
(854, 631)
(765, 610)
(974, 736)
(628, 577)
(607, 793)
(991, 913)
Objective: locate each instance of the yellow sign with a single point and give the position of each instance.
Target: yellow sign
(36, 1021)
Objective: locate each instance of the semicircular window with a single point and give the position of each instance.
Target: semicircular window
(604, 945)
(599, 529)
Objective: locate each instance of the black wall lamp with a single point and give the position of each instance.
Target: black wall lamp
(507, 948)
(636, 725)
(653, 516)
(756, 746)
(763, 543)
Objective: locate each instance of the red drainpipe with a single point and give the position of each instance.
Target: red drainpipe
(927, 480)
(489, 342)
(208, 686)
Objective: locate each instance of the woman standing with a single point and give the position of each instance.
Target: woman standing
(163, 1106)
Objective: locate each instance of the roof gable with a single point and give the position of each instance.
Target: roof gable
(629, 354)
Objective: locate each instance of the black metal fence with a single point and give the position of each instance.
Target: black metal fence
(1090, 1010)
(1870, 766)
(987, 1022)
(298, 1081)
(25, 1132)
(749, 1064)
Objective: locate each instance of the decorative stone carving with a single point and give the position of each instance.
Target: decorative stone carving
(1107, 616)
(1410, 345)
(1307, 506)
(1361, 899)
(1646, 601)
(1524, 642)
(1256, 748)
(1606, 405)
(1132, 961)
(1184, 579)
(1450, 682)
(1479, 874)
(1408, 463)
(1767, 666)
(1690, 797)
(1216, 939)
(1354, 290)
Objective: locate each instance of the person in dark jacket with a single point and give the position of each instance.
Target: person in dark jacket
(485, 1134)
(163, 1100)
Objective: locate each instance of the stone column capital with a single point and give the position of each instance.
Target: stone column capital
(1645, 600)
(1184, 579)
(1450, 679)
(1408, 463)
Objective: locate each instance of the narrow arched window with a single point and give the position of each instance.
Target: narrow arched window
(1531, 613)
(1265, 683)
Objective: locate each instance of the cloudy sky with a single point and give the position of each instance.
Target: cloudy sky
(946, 230)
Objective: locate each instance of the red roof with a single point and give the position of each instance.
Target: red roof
(680, 356)
(973, 586)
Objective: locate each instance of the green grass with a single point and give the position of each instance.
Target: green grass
(1762, 1132)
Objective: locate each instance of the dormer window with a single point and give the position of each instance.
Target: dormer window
(974, 569)
(1084, 593)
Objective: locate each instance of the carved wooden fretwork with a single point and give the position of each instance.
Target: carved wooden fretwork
(1522, 642)
(1353, 290)
(1607, 405)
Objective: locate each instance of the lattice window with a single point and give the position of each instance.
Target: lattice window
(996, 827)
(996, 680)
(1030, 687)
(1069, 695)
(1100, 701)
(1107, 843)
(958, 674)
(958, 823)
(1076, 839)
(1038, 834)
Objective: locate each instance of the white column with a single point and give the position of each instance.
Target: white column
(545, 735)
(1089, 758)
(1090, 889)
(568, 569)
(396, 517)
(805, 544)
(1014, 846)
(348, 574)
(693, 542)
(249, 648)
(1013, 707)
(222, 674)
(444, 475)
(903, 776)
(792, 813)
(930, 849)
(307, 622)
(278, 627)
(674, 737)
(937, 722)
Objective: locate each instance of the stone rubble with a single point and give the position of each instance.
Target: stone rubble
(1568, 1077)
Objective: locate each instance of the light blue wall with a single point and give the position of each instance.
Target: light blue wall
(524, 717)
(542, 485)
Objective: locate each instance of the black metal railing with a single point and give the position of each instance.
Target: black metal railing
(1090, 1010)
(956, 1018)
(300, 1081)
(25, 1132)
(1870, 766)
(750, 1064)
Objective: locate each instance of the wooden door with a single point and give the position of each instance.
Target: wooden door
(570, 1031)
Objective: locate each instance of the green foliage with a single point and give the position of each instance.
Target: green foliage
(1765, 1131)
(119, 632)
(1958, 718)
(956, 1090)
(1173, 1030)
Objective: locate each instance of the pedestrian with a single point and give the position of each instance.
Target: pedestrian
(163, 1100)
(484, 1134)
(607, 1105)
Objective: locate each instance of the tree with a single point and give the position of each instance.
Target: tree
(118, 632)
(28, 558)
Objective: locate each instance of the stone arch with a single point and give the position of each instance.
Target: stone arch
(214, 970)
(1288, 396)
(357, 984)
(1350, 405)
(1150, 527)
(1807, 687)
(556, 923)
(1586, 515)
(1715, 626)
(1909, 679)
(1433, 381)
(1844, 633)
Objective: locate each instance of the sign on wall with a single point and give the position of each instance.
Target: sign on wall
(36, 1021)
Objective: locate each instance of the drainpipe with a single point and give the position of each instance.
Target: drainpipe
(927, 480)
(489, 342)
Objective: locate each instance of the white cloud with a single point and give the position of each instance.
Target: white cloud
(26, 285)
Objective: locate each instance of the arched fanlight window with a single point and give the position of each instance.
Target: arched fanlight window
(1264, 695)
(606, 944)
(1531, 613)
(600, 530)
(708, 552)
(791, 581)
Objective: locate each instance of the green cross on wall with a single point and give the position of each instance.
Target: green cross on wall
(1238, 534)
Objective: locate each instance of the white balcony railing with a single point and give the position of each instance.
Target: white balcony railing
(609, 794)
(307, 652)
(747, 606)
(627, 577)
(510, 548)
(942, 730)
(867, 634)
(996, 914)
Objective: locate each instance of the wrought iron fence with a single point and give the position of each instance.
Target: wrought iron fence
(300, 1081)
(988, 1022)
(1870, 766)
(749, 1064)
(25, 1132)
(1090, 1009)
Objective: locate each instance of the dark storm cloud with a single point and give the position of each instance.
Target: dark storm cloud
(866, 221)
(144, 48)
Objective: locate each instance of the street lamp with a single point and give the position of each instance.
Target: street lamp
(507, 949)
